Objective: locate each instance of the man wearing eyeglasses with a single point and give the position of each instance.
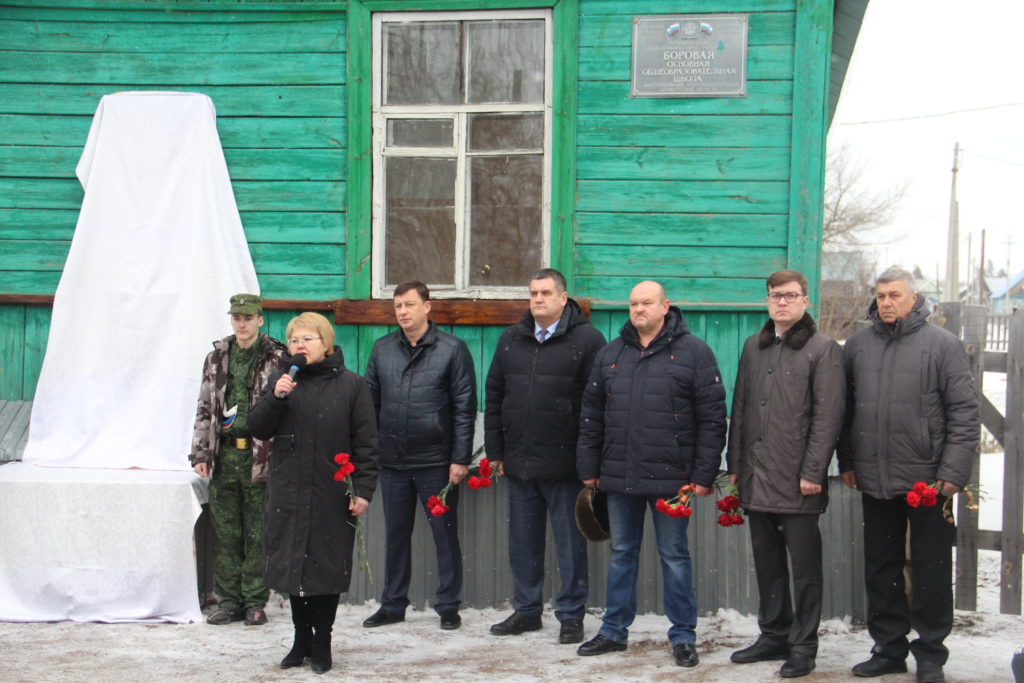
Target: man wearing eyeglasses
(424, 387)
(787, 413)
(234, 375)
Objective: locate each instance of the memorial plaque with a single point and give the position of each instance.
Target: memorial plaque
(690, 55)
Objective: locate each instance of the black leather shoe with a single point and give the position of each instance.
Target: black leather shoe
(797, 664)
(930, 672)
(383, 618)
(450, 620)
(879, 666)
(516, 624)
(685, 654)
(599, 645)
(764, 650)
(571, 631)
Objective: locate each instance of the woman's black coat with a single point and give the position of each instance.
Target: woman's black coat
(308, 533)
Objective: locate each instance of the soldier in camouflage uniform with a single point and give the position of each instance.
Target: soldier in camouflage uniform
(234, 375)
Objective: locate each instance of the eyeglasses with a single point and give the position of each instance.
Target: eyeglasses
(790, 297)
(305, 340)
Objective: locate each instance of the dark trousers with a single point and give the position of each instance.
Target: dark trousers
(780, 616)
(405, 495)
(530, 505)
(930, 609)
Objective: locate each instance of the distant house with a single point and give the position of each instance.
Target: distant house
(1008, 295)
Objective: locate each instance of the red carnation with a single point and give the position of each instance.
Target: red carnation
(341, 458)
(485, 482)
(913, 498)
(339, 476)
(929, 497)
(725, 520)
(485, 467)
(737, 520)
(919, 487)
(433, 502)
(661, 506)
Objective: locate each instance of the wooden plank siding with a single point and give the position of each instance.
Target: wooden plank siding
(692, 192)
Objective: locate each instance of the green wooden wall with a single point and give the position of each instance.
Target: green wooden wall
(707, 195)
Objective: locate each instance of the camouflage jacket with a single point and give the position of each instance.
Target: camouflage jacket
(206, 434)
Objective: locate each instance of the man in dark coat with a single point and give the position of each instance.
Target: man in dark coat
(534, 389)
(234, 374)
(912, 415)
(787, 413)
(653, 420)
(424, 388)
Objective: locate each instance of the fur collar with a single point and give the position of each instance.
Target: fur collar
(796, 338)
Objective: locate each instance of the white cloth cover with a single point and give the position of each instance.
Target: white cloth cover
(98, 545)
(158, 251)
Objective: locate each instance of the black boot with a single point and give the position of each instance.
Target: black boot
(325, 608)
(303, 645)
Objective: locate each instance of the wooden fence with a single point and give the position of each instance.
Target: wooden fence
(973, 323)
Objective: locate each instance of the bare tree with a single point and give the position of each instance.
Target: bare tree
(854, 212)
(853, 216)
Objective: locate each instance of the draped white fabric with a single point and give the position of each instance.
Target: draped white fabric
(157, 252)
(98, 544)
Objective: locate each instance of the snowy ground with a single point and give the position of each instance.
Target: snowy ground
(981, 643)
(981, 646)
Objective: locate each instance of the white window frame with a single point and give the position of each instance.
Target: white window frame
(459, 114)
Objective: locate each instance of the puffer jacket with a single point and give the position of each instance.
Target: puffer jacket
(912, 407)
(534, 393)
(308, 533)
(210, 406)
(653, 418)
(787, 413)
(425, 398)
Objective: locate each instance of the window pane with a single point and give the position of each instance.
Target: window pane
(506, 61)
(420, 132)
(506, 239)
(492, 132)
(424, 63)
(420, 220)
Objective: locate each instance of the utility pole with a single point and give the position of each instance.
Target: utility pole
(951, 292)
(981, 272)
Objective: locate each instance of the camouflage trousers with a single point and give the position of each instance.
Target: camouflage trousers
(236, 506)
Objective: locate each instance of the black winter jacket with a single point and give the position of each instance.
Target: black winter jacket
(425, 400)
(534, 393)
(912, 408)
(308, 532)
(787, 412)
(653, 419)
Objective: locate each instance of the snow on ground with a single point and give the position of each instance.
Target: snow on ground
(981, 643)
(981, 647)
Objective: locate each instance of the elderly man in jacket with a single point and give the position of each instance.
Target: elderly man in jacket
(787, 413)
(912, 415)
(424, 388)
(653, 420)
(234, 374)
(534, 389)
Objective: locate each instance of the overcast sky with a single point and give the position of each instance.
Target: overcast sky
(919, 59)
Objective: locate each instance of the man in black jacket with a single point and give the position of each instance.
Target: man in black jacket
(424, 389)
(912, 415)
(787, 411)
(534, 389)
(653, 420)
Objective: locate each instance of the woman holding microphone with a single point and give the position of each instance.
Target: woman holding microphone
(308, 515)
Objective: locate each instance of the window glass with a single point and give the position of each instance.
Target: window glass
(420, 214)
(506, 61)
(493, 132)
(506, 239)
(420, 132)
(424, 62)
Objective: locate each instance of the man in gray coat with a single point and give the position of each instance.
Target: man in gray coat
(787, 412)
(912, 416)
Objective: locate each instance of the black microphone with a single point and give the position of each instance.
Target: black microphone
(298, 361)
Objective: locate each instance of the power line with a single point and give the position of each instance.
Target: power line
(932, 116)
(991, 158)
